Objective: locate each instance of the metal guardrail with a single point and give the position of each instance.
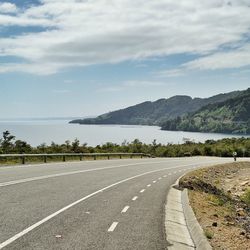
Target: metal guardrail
(23, 157)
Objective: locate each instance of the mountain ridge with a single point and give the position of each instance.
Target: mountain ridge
(229, 116)
(156, 112)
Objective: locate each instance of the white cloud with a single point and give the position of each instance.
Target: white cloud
(105, 31)
(7, 7)
(61, 91)
(232, 59)
(138, 83)
(131, 84)
(170, 73)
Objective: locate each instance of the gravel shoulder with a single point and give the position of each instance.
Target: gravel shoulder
(220, 198)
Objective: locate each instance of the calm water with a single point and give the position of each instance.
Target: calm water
(44, 131)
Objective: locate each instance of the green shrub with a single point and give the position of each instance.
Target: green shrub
(246, 197)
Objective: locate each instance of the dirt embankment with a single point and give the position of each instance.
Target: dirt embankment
(220, 198)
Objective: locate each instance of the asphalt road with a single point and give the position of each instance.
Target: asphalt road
(116, 204)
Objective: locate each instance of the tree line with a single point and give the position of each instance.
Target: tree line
(222, 148)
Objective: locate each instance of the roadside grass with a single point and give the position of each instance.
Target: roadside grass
(56, 159)
(246, 197)
(216, 200)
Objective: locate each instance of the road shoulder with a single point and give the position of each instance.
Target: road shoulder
(182, 229)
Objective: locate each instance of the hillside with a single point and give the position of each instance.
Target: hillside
(230, 116)
(155, 113)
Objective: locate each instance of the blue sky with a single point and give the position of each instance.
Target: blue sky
(80, 58)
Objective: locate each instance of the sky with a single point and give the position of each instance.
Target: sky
(81, 58)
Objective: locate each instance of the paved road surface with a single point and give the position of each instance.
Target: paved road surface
(116, 204)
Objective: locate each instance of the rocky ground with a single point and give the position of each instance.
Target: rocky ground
(220, 198)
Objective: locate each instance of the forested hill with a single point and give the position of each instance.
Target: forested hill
(155, 113)
(230, 116)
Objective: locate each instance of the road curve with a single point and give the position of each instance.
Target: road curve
(116, 204)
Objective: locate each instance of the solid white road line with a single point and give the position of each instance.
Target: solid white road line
(149, 185)
(142, 190)
(44, 165)
(125, 209)
(37, 224)
(3, 184)
(113, 226)
(135, 198)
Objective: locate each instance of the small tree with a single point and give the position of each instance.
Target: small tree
(7, 142)
(76, 146)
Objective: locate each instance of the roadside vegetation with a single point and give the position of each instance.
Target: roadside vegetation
(223, 148)
(220, 198)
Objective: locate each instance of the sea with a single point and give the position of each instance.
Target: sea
(38, 131)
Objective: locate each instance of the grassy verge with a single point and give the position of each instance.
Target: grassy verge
(54, 159)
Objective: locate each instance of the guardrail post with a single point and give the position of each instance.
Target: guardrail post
(108, 157)
(45, 158)
(23, 159)
(94, 157)
(141, 156)
(80, 157)
(120, 156)
(64, 158)
(131, 156)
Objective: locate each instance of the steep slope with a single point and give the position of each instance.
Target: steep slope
(155, 113)
(230, 116)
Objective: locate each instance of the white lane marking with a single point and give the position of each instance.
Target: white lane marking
(164, 176)
(149, 185)
(142, 190)
(159, 178)
(113, 226)
(37, 224)
(125, 209)
(65, 164)
(4, 184)
(154, 181)
(170, 174)
(135, 198)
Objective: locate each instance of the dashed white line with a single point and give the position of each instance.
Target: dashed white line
(113, 226)
(154, 181)
(125, 209)
(135, 198)
(159, 178)
(164, 176)
(142, 190)
(149, 185)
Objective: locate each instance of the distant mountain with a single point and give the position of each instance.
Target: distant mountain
(230, 116)
(155, 113)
